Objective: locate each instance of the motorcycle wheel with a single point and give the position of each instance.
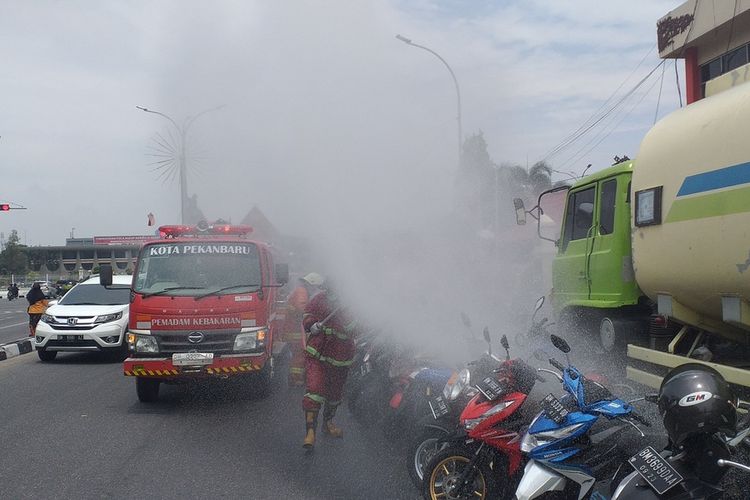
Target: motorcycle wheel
(421, 451)
(444, 470)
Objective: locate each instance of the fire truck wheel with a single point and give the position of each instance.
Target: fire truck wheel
(147, 389)
(264, 380)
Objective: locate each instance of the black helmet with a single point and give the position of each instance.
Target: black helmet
(695, 399)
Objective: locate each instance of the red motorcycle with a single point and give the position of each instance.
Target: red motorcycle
(482, 459)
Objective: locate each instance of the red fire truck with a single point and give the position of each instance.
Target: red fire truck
(202, 305)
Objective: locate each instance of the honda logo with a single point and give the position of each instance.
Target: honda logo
(196, 337)
(72, 321)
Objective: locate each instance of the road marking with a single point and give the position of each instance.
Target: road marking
(11, 326)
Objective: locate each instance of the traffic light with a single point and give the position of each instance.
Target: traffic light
(4, 207)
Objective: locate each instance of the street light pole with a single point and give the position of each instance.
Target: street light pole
(408, 41)
(182, 132)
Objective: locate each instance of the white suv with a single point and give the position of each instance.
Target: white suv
(90, 317)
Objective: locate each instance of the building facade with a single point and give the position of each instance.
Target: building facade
(713, 37)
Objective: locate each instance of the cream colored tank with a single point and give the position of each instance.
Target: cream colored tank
(695, 262)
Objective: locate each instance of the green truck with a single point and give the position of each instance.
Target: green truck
(654, 253)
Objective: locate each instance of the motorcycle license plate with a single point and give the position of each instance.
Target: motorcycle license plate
(438, 406)
(554, 409)
(491, 388)
(655, 469)
(192, 358)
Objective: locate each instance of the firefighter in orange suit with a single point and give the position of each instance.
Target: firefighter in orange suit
(328, 354)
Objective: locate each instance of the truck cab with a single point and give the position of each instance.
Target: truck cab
(593, 282)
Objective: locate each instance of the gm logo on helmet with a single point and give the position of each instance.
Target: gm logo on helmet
(695, 398)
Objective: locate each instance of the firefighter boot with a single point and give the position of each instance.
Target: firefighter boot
(329, 428)
(311, 422)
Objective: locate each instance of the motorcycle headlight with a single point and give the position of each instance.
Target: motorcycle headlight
(143, 343)
(473, 422)
(106, 318)
(456, 385)
(531, 441)
(48, 319)
(249, 341)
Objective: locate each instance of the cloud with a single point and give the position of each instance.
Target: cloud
(326, 113)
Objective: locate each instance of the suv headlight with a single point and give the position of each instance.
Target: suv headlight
(454, 387)
(142, 343)
(249, 341)
(106, 318)
(49, 319)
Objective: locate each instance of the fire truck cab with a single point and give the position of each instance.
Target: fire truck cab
(201, 306)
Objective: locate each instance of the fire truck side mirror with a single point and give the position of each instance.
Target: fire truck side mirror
(282, 273)
(105, 275)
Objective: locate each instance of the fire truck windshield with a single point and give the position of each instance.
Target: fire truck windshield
(195, 268)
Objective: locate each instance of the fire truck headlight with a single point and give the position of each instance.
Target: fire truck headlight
(145, 343)
(248, 341)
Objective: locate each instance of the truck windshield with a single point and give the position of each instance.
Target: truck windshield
(194, 268)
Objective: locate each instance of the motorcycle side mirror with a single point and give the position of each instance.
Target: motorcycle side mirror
(486, 333)
(504, 342)
(560, 343)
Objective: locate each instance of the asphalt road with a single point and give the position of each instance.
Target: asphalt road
(75, 429)
(14, 320)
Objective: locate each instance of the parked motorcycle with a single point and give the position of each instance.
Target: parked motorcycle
(481, 458)
(445, 410)
(578, 439)
(390, 385)
(698, 409)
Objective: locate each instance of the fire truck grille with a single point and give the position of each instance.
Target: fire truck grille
(216, 341)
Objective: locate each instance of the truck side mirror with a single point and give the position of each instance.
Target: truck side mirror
(105, 275)
(282, 273)
(520, 211)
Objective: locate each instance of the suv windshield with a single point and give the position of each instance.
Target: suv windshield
(96, 294)
(192, 269)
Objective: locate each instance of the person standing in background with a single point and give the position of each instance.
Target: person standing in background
(37, 306)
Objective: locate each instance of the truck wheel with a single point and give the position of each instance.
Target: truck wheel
(147, 389)
(264, 379)
(46, 355)
(608, 334)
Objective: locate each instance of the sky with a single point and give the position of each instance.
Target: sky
(326, 120)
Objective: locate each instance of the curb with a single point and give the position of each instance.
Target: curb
(13, 349)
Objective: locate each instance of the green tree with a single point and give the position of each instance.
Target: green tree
(13, 260)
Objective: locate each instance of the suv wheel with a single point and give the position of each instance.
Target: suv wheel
(46, 355)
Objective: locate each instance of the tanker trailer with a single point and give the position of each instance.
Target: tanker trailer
(691, 231)
(655, 253)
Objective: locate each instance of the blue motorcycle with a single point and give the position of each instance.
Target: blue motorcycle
(569, 445)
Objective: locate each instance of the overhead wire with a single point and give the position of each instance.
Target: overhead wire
(574, 135)
(620, 102)
(602, 135)
(661, 86)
